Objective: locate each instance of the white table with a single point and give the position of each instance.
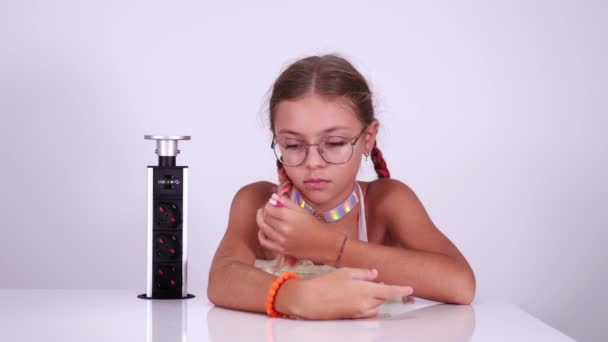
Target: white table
(101, 315)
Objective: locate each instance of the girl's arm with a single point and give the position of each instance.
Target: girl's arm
(235, 283)
(428, 261)
(233, 280)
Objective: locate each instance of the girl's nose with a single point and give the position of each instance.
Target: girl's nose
(314, 157)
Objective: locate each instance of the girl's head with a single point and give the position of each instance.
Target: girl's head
(323, 100)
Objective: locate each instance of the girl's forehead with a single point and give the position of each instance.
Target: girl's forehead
(315, 115)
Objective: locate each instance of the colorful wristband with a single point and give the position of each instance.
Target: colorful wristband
(274, 289)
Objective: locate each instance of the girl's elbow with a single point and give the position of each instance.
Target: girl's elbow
(214, 290)
(466, 290)
(211, 295)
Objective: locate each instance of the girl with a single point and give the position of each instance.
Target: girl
(374, 238)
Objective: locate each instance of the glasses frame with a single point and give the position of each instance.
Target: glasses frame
(353, 142)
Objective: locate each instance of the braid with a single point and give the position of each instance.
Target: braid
(379, 163)
(285, 184)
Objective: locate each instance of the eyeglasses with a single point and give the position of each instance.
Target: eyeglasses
(333, 149)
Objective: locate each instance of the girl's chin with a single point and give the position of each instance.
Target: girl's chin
(317, 196)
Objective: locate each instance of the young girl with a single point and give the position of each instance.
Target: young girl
(340, 247)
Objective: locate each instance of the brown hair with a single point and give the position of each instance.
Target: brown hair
(325, 75)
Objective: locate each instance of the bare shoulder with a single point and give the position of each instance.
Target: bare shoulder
(248, 199)
(240, 238)
(257, 192)
(386, 194)
(406, 219)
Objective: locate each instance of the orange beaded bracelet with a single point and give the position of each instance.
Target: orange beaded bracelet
(274, 289)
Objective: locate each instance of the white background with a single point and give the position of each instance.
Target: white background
(493, 112)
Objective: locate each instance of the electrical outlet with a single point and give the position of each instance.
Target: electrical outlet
(167, 276)
(167, 246)
(167, 215)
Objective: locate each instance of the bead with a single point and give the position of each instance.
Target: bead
(274, 289)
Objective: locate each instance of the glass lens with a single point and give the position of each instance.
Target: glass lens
(336, 150)
(290, 151)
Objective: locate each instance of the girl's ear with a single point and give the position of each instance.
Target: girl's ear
(370, 135)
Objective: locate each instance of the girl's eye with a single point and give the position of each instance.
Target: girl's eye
(293, 146)
(335, 143)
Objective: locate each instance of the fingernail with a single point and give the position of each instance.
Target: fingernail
(407, 289)
(276, 203)
(275, 196)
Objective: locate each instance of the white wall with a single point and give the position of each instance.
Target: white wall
(492, 112)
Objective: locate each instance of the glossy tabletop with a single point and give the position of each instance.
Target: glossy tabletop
(103, 315)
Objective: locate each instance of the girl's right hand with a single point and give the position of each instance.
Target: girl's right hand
(343, 293)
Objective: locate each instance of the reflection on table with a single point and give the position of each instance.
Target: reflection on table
(395, 322)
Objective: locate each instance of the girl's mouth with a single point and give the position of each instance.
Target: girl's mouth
(315, 183)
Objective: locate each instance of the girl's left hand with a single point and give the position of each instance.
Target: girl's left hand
(288, 229)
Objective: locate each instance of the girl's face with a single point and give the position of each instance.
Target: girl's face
(313, 119)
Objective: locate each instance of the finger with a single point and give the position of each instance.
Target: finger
(362, 274)
(277, 201)
(369, 313)
(269, 232)
(262, 220)
(287, 202)
(376, 302)
(386, 292)
(274, 212)
(266, 243)
(274, 200)
(272, 218)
